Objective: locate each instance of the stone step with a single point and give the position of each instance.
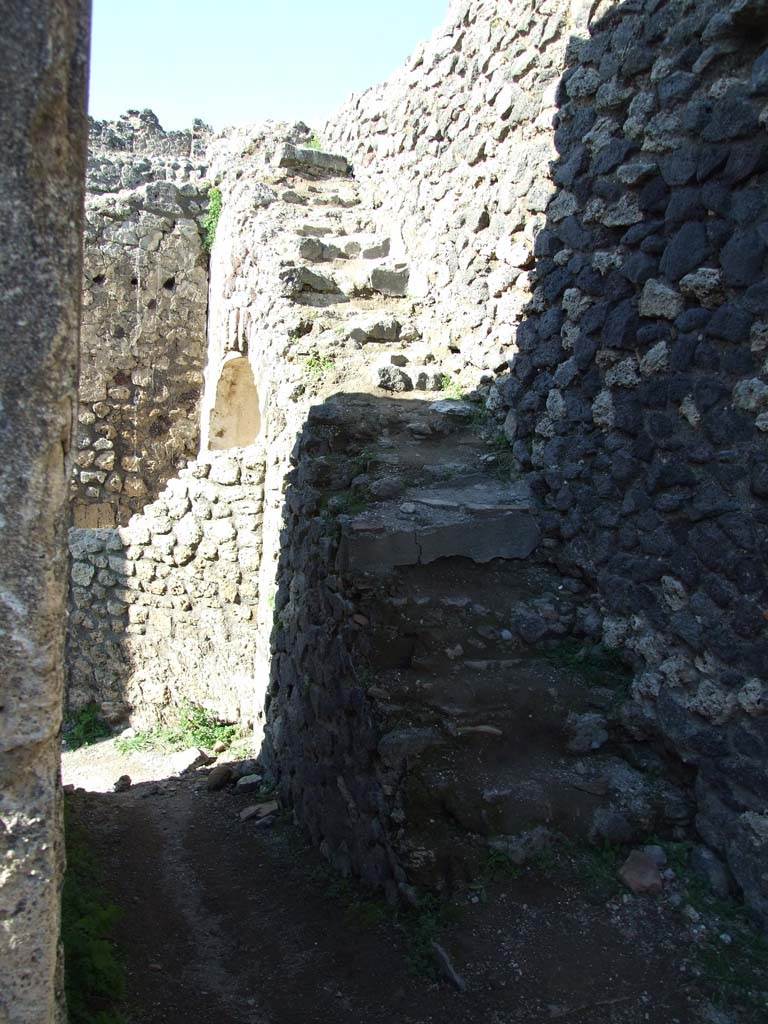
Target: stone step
(313, 163)
(375, 327)
(335, 199)
(324, 222)
(489, 789)
(403, 478)
(409, 434)
(419, 438)
(358, 246)
(315, 229)
(395, 374)
(390, 279)
(329, 221)
(367, 246)
(478, 523)
(315, 250)
(347, 278)
(441, 623)
(459, 798)
(524, 696)
(298, 281)
(383, 277)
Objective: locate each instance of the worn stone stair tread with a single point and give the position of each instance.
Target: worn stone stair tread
(320, 299)
(316, 250)
(481, 496)
(378, 275)
(313, 160)
(310, 229)
(505, 791)
(388, 536)
(368, 246)
(529, 698)
(429, 524)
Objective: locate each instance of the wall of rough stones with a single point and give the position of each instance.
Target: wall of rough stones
(163, 609)
(135, 150)
(43, 130)
(581, 189)
(149, 622)
(144, 317)
(321, 728)
(455, 149)
(259, 312)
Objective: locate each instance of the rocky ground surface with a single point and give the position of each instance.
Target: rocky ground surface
(230, 916)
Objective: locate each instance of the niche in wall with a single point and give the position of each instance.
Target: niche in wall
(235, 418)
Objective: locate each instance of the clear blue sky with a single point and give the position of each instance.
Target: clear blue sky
(237, 61)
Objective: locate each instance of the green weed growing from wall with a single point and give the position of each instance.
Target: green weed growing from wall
(211, 219)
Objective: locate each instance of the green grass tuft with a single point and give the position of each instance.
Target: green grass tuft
(735, 973)
(94, 977)
(592, 664)
(365, 676)
(599, 867)
(500, 865)
(421, 926)
(350, 503)
(85, 726)
(450, 387)
(314, 142)
(195, 726)
(504, 461)
(364, 458)
(318, 367)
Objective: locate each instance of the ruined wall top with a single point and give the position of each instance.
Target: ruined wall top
(135, 149)
(141, 132)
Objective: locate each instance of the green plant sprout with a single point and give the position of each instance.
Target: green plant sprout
(211, 219)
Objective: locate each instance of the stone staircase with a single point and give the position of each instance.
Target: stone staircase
(435, 690)
(346, 287)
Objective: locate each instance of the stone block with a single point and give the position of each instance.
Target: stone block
(313, 160)
(513, 535)
(224, 470)
(659, 300)
(390, 281)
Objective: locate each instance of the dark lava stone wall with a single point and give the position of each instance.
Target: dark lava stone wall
(640, 392)
(626, 144)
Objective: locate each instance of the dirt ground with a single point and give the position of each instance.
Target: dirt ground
(227, 922)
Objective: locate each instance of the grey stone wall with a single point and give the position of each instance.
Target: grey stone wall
(163, 609)
(152, 620)
(454, 150)
(645, 436)
(135, 150)
(43, 76)
(583, 188)
(321, 728)
(144, 319)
